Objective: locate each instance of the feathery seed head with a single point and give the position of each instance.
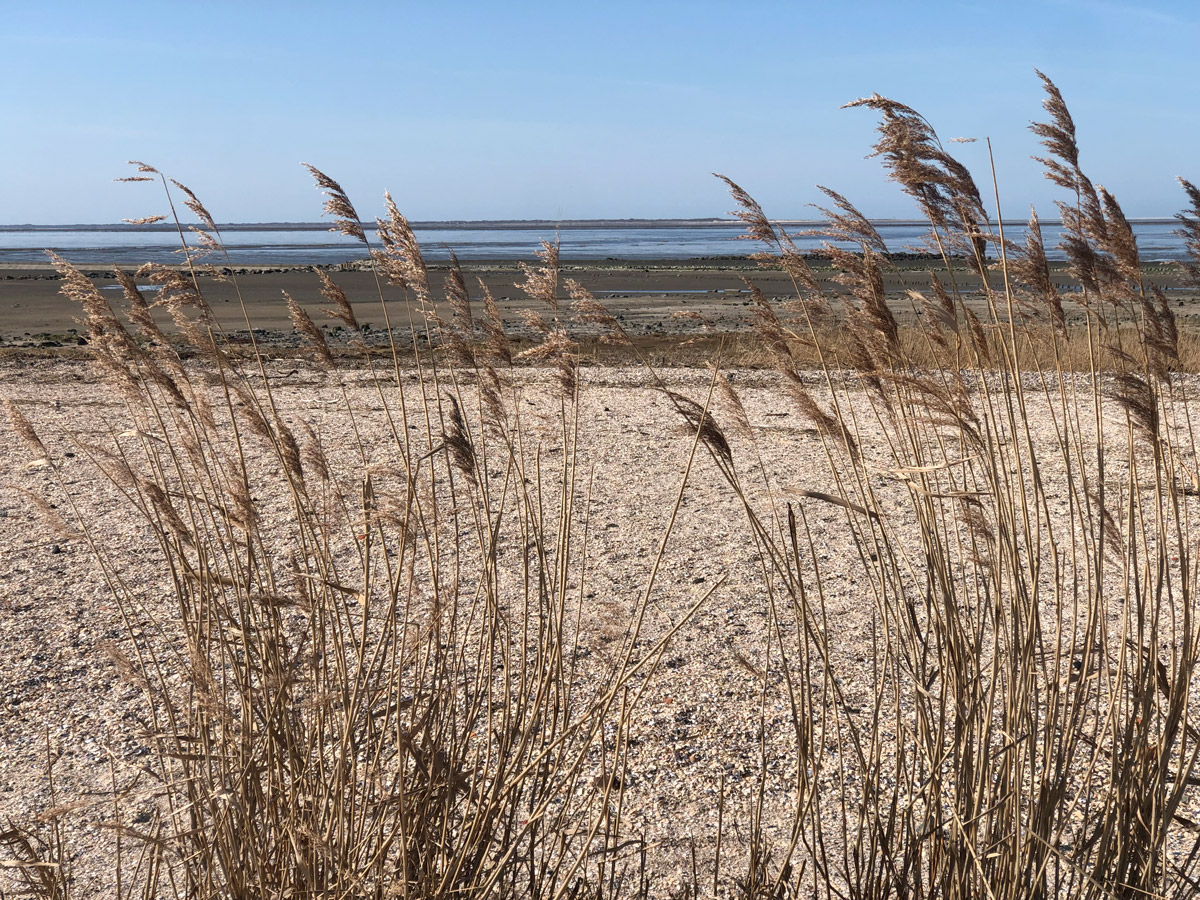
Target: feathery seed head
(1058, 136)
(917, 161)
(701, 421)
(1139, 400)
(401, 260)
(139, 310)
(848, 224)
(335, 295)
(50, 516)
(1160, 334)
(289, 450)
(24, 429)
(304, 324)
(496, 344)
(1189, 230)
(769, 329)
(1031, 267)
(1120, 241)
(205, 241)
(758, 226)
(541, 282)
(113, 349)
(313, 454)
(252, 412)
(457, 295)
(338, 205)
(179, 295)
(192, 202)
(589, 310)
(733, 403)
(458, 440)
(459, 333)
(558, 348)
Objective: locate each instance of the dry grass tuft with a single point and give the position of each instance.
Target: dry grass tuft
(385, 692)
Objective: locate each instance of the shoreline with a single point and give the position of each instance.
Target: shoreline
(653, 299)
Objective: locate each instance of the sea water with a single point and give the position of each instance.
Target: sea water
(315, 244)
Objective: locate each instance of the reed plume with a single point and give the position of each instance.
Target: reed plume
(304, 324)
(342, 310)
(338, 205)
(24, 429)
(401, 260)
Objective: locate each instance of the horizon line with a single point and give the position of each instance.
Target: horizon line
(455, 224)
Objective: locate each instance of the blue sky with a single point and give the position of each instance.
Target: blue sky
(572, 110)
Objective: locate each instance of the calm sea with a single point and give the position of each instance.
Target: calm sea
(309, 244)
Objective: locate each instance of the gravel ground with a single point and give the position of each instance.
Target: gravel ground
(699, 724)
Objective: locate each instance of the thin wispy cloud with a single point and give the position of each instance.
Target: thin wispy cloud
(1131, 11)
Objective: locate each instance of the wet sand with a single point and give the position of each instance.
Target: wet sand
(650, 298)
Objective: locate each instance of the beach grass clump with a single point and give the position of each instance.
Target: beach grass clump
(371, 683)
(1026, 535)
(374, 681)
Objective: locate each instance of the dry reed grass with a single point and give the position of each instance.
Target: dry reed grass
(386, 700)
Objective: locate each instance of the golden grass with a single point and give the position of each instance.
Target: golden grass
(376, 701)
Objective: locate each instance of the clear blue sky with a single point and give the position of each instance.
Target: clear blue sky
(572, 110)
